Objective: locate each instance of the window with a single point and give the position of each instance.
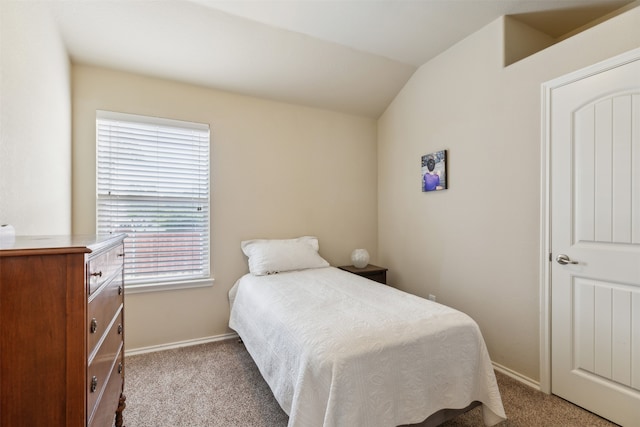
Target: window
(153, 185)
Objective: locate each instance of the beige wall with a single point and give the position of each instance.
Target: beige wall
(278, 171)
(476, 245)
(35, 122)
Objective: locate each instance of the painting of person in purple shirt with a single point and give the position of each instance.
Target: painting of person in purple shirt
(433, 171)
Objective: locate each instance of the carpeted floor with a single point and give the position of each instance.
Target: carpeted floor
(218, 384)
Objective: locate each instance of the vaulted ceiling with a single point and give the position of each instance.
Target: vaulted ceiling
(348, 55)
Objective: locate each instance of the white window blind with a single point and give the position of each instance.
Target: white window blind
(153, 185)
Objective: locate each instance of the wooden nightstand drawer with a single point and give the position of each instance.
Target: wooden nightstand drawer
(372, 272)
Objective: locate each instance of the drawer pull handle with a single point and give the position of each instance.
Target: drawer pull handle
(94, 325)
(120, 367)
(94, 384)
(120, 290)
(121, 255)
(119, 329)
(98, 274)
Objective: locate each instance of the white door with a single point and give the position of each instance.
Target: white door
(594, 132)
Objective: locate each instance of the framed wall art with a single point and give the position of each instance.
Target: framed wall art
(434, 171)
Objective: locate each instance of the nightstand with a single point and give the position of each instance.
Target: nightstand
(373, 272)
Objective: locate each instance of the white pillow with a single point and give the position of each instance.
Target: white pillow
(273, 256)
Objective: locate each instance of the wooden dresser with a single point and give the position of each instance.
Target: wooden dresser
(62, 331)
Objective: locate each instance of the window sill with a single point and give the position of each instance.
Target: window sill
(167, 286)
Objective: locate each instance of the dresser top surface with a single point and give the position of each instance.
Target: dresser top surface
(34, 245)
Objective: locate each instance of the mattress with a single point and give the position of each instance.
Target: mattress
(338, 349)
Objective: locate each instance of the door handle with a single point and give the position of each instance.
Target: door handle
(563, 259)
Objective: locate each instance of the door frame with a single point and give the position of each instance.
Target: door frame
(545, 201)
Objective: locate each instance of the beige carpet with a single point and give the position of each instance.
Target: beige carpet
(218, 384)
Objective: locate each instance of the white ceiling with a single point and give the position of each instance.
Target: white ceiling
(348, 55)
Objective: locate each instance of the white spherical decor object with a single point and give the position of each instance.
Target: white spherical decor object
(360, 258)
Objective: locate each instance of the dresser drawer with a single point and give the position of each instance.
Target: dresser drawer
(98, 371)
(105, 410)
(103, 266)
(103, 306)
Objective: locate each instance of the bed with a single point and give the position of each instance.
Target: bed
(338, 349)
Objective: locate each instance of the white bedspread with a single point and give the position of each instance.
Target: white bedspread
(340, 350)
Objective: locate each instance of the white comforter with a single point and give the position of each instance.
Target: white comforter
(340, 350)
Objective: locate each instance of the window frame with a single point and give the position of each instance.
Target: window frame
(157, 283)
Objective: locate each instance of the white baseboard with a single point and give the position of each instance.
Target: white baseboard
(516, 376)
(151, 349)
(179, 344)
